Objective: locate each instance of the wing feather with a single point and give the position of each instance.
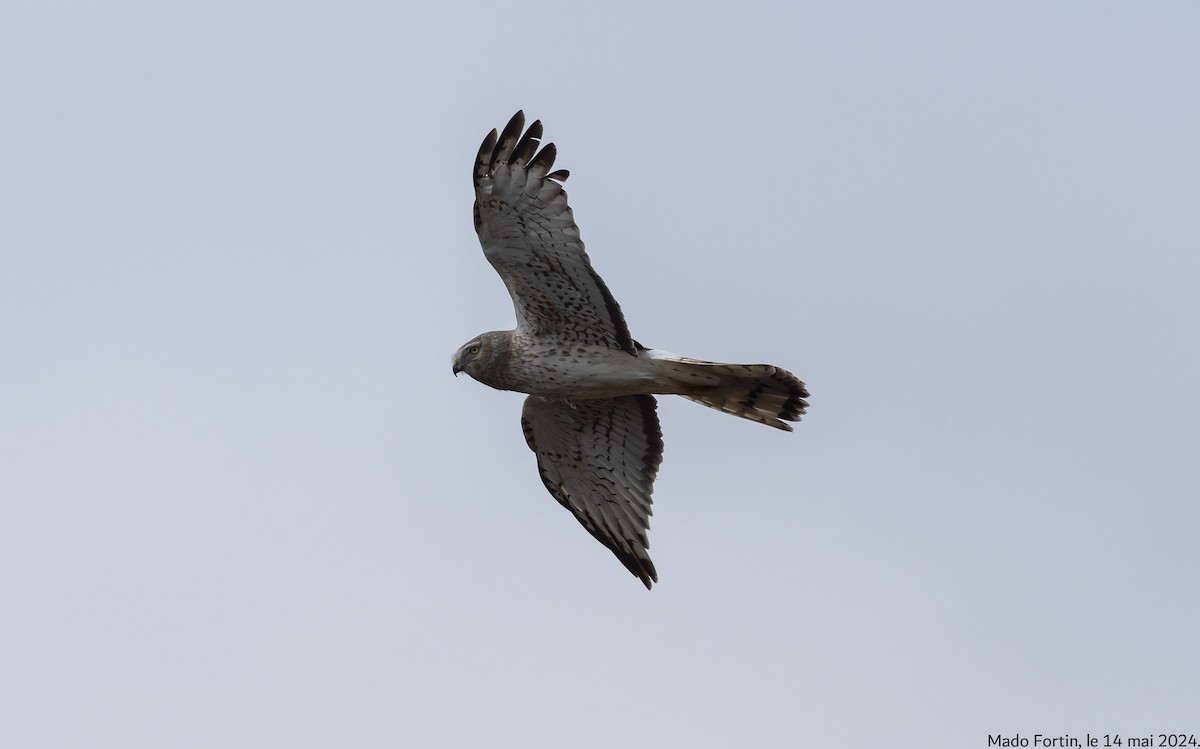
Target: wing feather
(529, 235)
(599, 458)
(528, 144)
(508, 139)
(481, 160)
(545, 158)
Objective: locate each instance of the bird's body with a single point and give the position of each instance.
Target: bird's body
(591, 416)
(554, 370)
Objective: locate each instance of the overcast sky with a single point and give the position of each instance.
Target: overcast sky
(243, 502)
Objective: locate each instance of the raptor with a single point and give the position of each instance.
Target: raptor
(591, 417)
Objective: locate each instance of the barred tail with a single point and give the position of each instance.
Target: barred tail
(759, 392)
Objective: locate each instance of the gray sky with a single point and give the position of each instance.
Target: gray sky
(243, 502)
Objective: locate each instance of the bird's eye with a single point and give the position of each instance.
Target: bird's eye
(474, 349)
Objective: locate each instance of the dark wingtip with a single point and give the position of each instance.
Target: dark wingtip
(483, 159)
(512, 146)
(508, 140)
(544, 158)
(528, 144)
(641, 567)
(638, 564)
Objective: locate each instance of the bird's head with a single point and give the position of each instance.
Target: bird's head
(475, 356)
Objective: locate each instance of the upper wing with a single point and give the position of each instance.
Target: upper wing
(599, 459)
(529, 236)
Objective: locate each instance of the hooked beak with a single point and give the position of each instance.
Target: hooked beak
(456, 368)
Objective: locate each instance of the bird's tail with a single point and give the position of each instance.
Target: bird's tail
(759, 392)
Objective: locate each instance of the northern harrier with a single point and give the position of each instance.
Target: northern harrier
(590, 416)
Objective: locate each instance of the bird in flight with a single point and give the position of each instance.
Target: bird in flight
(590, 417)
